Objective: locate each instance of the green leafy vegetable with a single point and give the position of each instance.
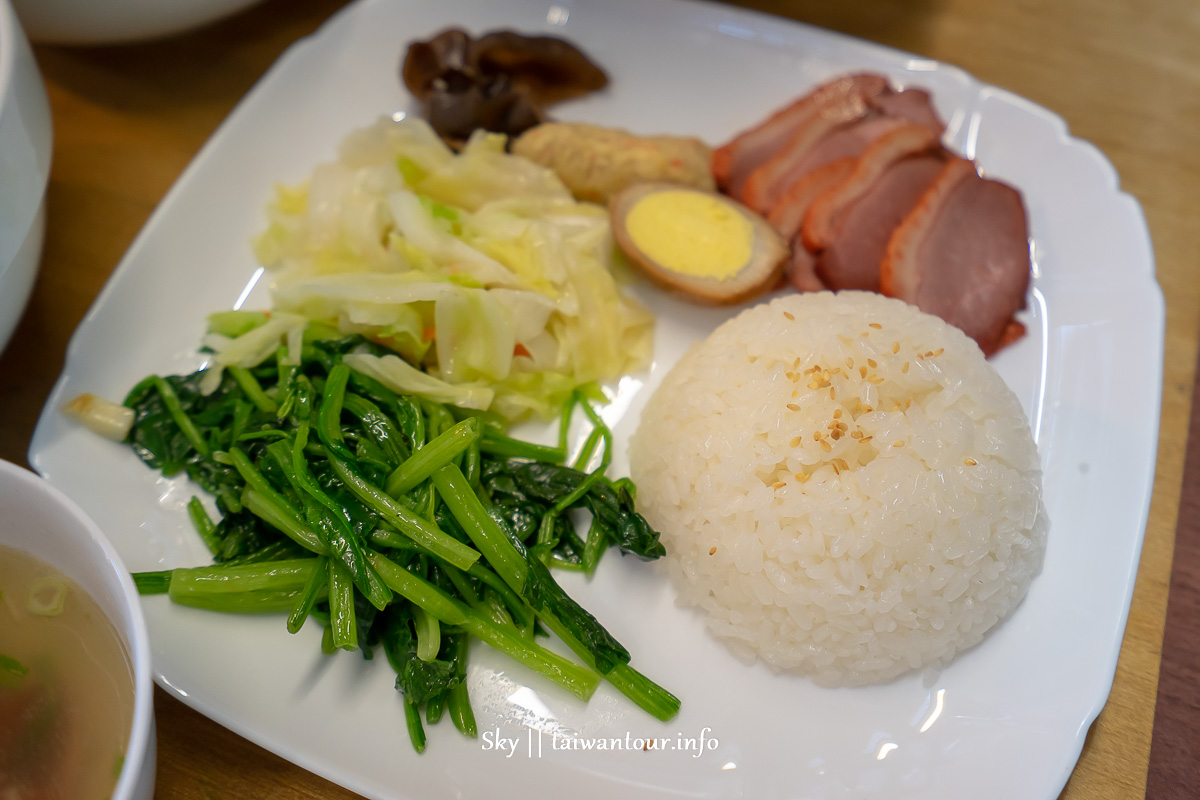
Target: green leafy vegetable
(12, 671)
(390, 519)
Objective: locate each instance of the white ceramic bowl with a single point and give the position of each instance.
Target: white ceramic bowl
(41, 521)
(25, 143)
(117, 21)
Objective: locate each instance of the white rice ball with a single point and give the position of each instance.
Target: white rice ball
(844, 485)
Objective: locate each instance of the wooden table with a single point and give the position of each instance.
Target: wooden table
(1125, 76)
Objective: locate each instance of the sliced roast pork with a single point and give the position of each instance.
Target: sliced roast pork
(914, 105)
(734, 162)
(847, 228)
(840, 131)
(824, 141)
(788, 214)
(801, 270)
(963, 254)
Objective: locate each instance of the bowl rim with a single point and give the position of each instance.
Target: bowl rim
(26, 125)
(142, 730)
(9, 27)
(60, 22)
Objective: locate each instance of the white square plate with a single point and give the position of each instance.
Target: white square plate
(1005, 720)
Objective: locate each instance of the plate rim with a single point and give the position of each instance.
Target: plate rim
(306, 46)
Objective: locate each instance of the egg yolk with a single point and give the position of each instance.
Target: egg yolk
(691, 232)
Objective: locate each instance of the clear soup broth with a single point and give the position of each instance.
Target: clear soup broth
(66, 687)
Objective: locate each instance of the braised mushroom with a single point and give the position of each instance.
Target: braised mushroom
(500, 82)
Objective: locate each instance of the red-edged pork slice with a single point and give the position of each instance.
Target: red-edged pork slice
(844, 134)
(801, 269)
(841, 131)
(852, 258)
(963, 254)
(788, 214)
(848, 227)
(914, 105)
(827, 210)
(733, 162)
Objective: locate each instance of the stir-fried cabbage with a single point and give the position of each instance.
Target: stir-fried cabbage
(479, 268)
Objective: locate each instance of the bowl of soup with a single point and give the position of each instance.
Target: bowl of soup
(76, 692)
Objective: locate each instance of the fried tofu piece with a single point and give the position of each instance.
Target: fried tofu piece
(596, 163)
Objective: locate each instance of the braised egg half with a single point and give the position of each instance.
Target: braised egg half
(702, 245)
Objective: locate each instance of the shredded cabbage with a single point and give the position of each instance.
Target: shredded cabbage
(478, 268)
(398, 375)
(254, 346)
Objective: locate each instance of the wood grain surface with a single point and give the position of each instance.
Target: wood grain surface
(1174, 772)
(1125, 76)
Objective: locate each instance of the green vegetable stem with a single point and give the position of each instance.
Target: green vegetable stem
(394, 522)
